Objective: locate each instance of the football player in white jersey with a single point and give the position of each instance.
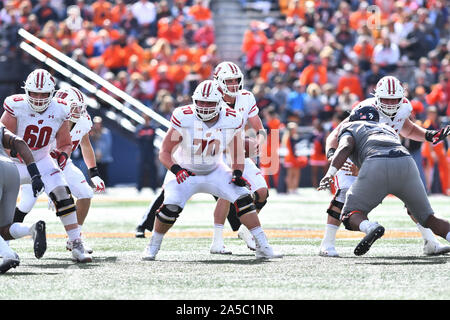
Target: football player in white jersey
(40, 120)
(395, 110)
(231, 83)
(193, 152)
(80, 125)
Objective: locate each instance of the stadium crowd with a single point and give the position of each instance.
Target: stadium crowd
(306, 66)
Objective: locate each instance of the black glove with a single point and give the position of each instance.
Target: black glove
(238, 179)
(36, 181)
(436, 136)
(181, 173)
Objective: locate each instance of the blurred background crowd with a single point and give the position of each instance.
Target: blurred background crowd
(307, 63)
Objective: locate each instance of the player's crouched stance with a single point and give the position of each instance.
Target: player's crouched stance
(199, 135)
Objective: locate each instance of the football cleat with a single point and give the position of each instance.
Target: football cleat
(39, 238)
(246, 235)
(140, 232)
(219, 249)
(365, 244)
(434, 248)
(88, 249)
(150, 253)
(266, 252)
(328, 252)
(9, 262)
(79, 254)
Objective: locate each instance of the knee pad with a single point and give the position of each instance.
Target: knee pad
(334, 203)
(168, 213)
(345, 219)
(63, 200)
(260, 204)
(244, 205)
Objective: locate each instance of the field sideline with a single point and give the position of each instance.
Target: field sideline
(395, 268)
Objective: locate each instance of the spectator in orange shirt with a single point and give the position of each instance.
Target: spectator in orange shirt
(292, 161)
(133, 48)
(115, 57)
(363, 50)
(118, 11)
(359, 17)
(351, 80)
(296, 10)
(170, 29)
(204, 68)
(252, 36)
(199, 11)
(314, 73)
(433, 153)
(440, 95)
(101, 11)
(178, 71)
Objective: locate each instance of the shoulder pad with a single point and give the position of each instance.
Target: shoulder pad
(182, 116)
(61, 105)
(232, 118)
(14, 102)
(245, 92)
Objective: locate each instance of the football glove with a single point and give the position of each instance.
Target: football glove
(62, 160)
(98, 183)
(181, 173)
(436, 136)
(239, 180)
(36, 182)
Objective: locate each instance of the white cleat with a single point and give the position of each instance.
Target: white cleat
(150, 253)
(9, 262)
(266, 252)
(246, 235)
(79, 254)
(328, 252)
(431, 248)
(219, 249)
(86, 247)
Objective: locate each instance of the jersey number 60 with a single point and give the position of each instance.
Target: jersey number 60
(36, 137)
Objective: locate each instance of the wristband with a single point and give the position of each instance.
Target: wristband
(330, 153)
(175, 168)
(33, 170)
(237, 173)
(262, 133)
(332, 171)
(93, 172)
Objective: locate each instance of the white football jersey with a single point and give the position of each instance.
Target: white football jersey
(202, 146)
(397, 122)
(38, 130)
(246, 105)
(79, 130)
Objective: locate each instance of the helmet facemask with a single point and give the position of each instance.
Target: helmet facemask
(206, 100)
(389, 94)
(39, 88)
(75, 100)
(225, 72)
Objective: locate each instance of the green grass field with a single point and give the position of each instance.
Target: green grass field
(395, 267)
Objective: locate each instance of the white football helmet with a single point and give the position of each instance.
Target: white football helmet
(207, 91)
(390, 88)
(39, 81)
(225, 71)
(75, 100)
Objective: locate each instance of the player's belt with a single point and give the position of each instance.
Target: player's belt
(391, 154)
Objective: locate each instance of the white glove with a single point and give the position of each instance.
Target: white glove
(98, 183)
